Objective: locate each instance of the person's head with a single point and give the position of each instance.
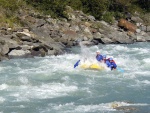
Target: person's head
(111, 59)
(97, 52)
(104, 56)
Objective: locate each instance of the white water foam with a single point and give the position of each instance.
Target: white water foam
(23, 79)
(52, 90)
(103, 107)
(147, 60)
(3, 86)
(143, 82)
(83, 108)
(2, 100)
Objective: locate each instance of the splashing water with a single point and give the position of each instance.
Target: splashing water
(52, 85)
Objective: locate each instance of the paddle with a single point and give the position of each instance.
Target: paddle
(120, 70)
(76, 64)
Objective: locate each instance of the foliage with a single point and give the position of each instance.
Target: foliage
(11, 5)
(144, 4)
(108, 17)
(146, 19)
(53, 7)
(56, 7)
(100, 9)
(75, 4)
(8, 16)
(95, 7)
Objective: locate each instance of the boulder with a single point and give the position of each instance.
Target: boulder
(70, 33)
(136, 19)
(26, 47)
(87, 43)
(75, 28)
(148, 29)
(138, 30)
(140, 39)
(63, 40)
(40, 22)
(19, 54)
(52, 52)
(91, 18)
(4, 49)
(85, 38)
(21, 34)
(10, 42)
(97, 36)
(29, 19)
(146, 36)
(106, 40)
(119, 37)
(143, 28)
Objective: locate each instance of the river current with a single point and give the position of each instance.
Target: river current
(52, 85)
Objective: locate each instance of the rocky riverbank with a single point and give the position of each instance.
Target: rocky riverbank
(43, 35)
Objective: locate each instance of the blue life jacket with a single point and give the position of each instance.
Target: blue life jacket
(113, 65)
(99, 57)
(107, 63)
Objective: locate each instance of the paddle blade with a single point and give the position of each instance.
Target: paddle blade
(76, 64)
(120, 70)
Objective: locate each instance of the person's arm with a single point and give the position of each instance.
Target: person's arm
(108, 63)
(100, 58)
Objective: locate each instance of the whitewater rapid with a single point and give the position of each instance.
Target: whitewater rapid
(52, 85)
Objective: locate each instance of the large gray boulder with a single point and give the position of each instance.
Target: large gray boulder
(4, 49)
(119, 37)
(10, 42)
(97, 36)
(136, 19)
(106, 40)
(87, 43)
(19, 54)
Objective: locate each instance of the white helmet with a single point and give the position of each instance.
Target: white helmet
(97, 51)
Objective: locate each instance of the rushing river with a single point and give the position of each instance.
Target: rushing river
(52, 85)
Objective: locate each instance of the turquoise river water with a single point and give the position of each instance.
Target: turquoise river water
(51, 84)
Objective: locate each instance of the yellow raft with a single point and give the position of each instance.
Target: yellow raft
(94, 66)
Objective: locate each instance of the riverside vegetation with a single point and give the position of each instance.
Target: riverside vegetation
(31, 28)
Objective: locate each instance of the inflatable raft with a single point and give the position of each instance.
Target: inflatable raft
(94, 66)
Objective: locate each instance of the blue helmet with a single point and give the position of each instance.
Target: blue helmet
(104, 56)
(110, 58)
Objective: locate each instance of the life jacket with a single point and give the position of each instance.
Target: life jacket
(107, 62)
(111, 64)
(99, 57)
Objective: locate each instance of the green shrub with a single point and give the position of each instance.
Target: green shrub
(119, 15)
(108, 17)
(11, 5)
(8, 10)
(101, 9)
(55, 8)
(95, 7)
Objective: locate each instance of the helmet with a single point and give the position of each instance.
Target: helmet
(104, 56)
(97, 51)
(110, 58)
